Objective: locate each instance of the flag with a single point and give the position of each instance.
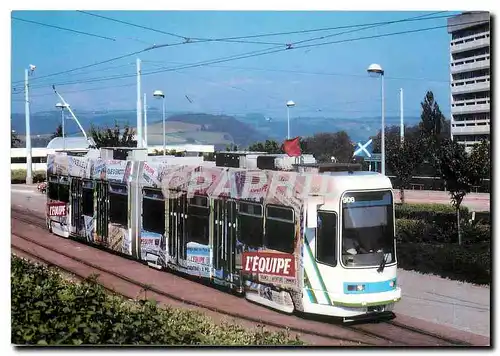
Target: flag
(292, 147)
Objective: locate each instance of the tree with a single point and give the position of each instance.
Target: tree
(403, 159)
(431, 126)
(14, 139)
(112, 138)
(58, 132)
(325, 145)
(270, 146)
(231, 147)
(461, 171)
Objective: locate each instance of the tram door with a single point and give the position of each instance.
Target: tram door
(177, 217)
(224, 240)
(76, 205)
(102, 218)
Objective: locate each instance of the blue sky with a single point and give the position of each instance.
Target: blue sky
(328, 80)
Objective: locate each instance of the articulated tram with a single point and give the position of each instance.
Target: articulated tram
(293, 240)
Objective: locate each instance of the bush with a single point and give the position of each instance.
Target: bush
(430, 212)
(49, 310)
(18, 176)
(476, 232)
(483, 217)
(468, 263)
(440, 221)
(420, 231)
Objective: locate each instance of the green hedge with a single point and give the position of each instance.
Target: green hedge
(420, 231)
(483, 217)
(468, 263)
(443, 216)
(18, 176)
(47, 310)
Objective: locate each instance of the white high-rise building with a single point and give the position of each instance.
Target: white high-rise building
(470, 77)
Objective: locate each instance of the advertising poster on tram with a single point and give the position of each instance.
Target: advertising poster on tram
(153, 247)
(198, 259)
(78, 167)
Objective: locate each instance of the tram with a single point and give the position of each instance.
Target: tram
(295, 239)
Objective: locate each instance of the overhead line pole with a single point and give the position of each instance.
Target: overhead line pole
(145, 122)
(29, 174)
(139, 106)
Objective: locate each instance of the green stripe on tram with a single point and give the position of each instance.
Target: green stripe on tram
(309, 290)
(322, 283)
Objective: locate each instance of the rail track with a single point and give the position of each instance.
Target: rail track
(381, 333)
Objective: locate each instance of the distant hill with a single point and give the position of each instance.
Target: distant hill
(359, 129)
(219, 130)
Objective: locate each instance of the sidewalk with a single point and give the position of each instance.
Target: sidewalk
(460, 305)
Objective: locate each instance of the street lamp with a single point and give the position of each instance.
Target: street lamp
(289, 104)
(29, 173)
(376, 70)
(62, 106)
(159, 94)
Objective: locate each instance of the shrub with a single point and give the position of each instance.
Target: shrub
(430, 212)
(484, 217)
(475, 232)
(18, 176)
(468, 263)
(49, 310)
(408, 230)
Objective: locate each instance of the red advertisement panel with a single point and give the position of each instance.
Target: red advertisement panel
(57, 209)
(278, 264)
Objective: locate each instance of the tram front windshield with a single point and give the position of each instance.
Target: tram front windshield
(367, 229)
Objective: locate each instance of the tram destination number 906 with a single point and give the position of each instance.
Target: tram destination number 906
(348, 200)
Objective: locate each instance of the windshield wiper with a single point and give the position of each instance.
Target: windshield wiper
(382, 264)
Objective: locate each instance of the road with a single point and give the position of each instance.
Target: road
(463, 306)
(474, 201)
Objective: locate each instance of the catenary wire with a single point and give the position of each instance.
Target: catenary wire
(64, 29)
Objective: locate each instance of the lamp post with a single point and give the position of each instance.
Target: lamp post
(289, 104)
(159, 94)
(29, 173)
(62, 106)
(376, 69)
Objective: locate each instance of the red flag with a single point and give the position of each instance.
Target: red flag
(292, 147)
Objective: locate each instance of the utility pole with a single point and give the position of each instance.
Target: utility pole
(29, 174)
(139, 105)
(402, 127)
(145, 122)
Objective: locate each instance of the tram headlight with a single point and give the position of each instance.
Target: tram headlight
(356, 287)
(392, 284)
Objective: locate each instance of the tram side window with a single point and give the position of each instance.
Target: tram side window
(53, 191)
(88, 202)
(326, 237)
(153, 214)
(251, 224)
(64, 193)
(280, 229)
(58, 191)
(118, 208)
(198, 220)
